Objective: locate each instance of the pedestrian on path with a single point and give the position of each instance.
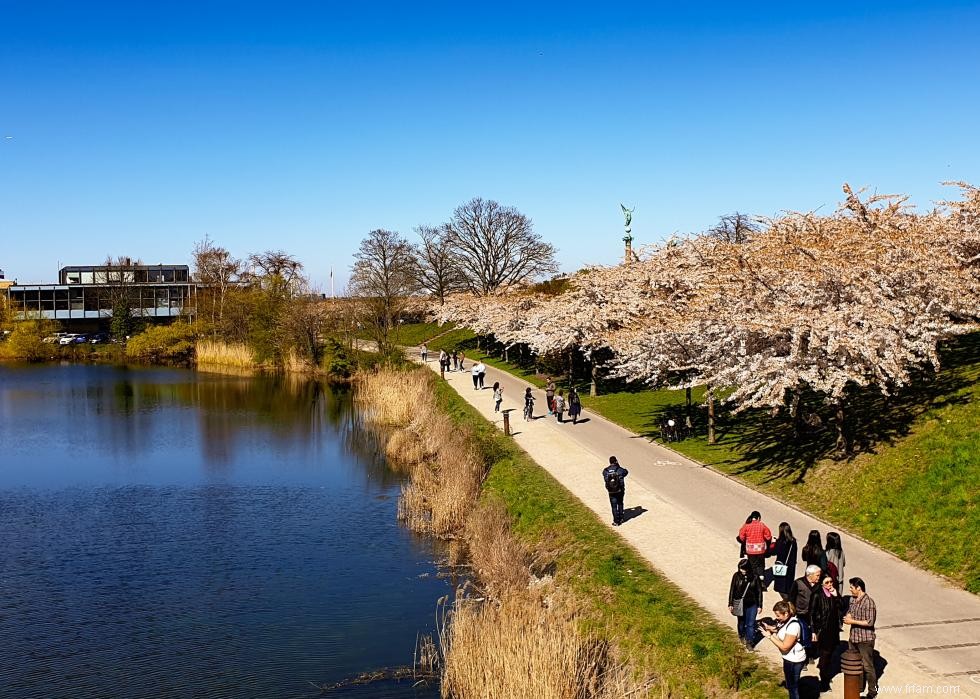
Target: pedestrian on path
(813, 551)
(475, 372)
(784, 567)
(455, 360)
(803, 591)
(756, 537)
(574, 405)
(744, 600)
(549, 394)
(443, 360)
(483, 374)
(833, 561)
(861, 615)
(424, 352)
(614, 477)
(498, 396)
(825, 612)
(785, 635)
(528, 405)
(462, 356)
(560, 406)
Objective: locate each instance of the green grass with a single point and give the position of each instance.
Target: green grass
(913, 488)
(662, 630)
(414, 334)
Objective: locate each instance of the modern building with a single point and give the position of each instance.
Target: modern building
(84, 296)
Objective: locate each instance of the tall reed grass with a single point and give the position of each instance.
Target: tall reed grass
(519, 637)
(219, 353)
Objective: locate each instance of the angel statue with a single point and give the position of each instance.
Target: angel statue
(628, 213)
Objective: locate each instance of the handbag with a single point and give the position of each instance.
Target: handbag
(738, 604)
(780, 569)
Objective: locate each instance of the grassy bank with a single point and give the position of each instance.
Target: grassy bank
(917, 467)
(598, 601)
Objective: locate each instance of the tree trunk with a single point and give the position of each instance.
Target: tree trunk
(843, 443)
(794, 413)
(505, 355)
(593, 387)
(571, 367)
(711, 414)
(687, 398)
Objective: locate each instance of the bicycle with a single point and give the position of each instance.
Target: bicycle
(528, 410)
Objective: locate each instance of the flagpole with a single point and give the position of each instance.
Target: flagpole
(331, 281)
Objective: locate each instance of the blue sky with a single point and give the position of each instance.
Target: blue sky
(139, 128)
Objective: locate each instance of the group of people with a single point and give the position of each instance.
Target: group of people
(675, 429)
(813, 607)
(448, 361)
(558, 403)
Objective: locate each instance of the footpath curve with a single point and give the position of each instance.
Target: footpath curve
(928, 631)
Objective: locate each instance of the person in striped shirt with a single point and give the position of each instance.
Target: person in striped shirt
(861, 616)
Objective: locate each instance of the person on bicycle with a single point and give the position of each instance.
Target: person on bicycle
(528, 405)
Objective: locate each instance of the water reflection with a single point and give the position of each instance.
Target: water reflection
(168, 533)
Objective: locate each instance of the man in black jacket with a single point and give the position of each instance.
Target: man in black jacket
(802, 592)
(614, 476)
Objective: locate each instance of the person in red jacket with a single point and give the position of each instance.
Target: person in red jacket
(756, 537)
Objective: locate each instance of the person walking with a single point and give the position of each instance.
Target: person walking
(475, 372)
(483, 374)
(833, 561)
(443, 360)
(424, 352)
(455, 360)
(785, 635)
(784, 567)
(861, 615)
(756, 537)
(560, 406)
(574, 405)
(528, 405)
(549, 394)
(744, 600)
(825, 612)
(462, 357)
(813, 551)
(498, 396)
(614, 477)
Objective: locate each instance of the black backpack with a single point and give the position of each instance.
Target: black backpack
(614, 482)
(806, 636)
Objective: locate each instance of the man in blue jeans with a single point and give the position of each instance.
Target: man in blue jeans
(614, 476)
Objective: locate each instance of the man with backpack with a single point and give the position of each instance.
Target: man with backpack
(614, 476)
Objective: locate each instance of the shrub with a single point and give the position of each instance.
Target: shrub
(26, 340)
(173, 343)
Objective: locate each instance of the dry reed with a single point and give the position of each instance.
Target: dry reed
(515, 641)
(218, 353)
(521, 649)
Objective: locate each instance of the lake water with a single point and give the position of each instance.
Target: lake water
(171, 533)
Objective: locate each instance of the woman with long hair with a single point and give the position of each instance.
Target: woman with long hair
(834, 561)
(785, 635)
(813, 551)
(784, 567)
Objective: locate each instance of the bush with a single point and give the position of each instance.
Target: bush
(173, 343)
(26, 341)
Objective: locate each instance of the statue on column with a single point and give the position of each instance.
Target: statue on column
(628, 239)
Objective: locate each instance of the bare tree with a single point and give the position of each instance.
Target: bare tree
(277, 269)
(217, 271)
(435, 269)
(495, 246)
(382, 277)
(734, 228)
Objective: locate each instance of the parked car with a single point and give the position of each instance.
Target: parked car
(98, 338)
(81, 339)
(67, 339)
(54, 339)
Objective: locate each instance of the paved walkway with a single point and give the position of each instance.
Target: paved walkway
(928, 631)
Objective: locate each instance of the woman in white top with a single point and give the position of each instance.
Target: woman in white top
(785, 635)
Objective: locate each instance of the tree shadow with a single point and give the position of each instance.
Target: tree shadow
(782, 447)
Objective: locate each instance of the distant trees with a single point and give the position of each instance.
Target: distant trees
(383, 277)
(436, 268)
(122, 296)
(495, 246)
(217, 271)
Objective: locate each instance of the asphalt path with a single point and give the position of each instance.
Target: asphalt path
(683, 518)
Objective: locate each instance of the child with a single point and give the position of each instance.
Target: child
(498, 396)
(560, 406)
(528, 405)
